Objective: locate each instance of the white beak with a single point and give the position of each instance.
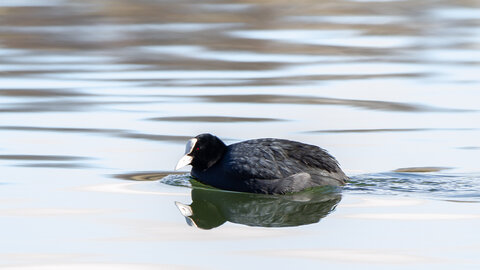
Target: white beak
(184, 161)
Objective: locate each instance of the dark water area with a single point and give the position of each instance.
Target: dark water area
(97, 99)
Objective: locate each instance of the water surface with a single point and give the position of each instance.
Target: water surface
(97, 94)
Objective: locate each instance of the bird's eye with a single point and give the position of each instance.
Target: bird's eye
(198, 148)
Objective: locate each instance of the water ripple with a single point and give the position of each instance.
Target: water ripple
(434, 186)
(429, 186)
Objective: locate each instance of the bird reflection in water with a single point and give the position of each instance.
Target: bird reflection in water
(211, 208)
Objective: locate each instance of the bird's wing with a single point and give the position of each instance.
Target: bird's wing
(275, 158)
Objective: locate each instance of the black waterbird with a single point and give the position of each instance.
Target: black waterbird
(269, 166)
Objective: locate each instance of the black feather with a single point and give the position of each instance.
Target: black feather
(272, 166)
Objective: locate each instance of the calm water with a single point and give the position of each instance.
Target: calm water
(99, 97)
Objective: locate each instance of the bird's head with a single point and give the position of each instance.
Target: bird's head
(202, 152)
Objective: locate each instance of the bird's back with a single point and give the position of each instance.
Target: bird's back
(277, 158)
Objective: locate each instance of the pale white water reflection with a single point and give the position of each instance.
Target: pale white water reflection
(344, 38)
(96, 94)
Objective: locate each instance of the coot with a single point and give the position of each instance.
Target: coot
(269, 166)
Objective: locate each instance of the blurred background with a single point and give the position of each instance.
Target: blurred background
(94, 93)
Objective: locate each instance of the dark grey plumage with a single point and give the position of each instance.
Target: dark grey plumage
(271, 166)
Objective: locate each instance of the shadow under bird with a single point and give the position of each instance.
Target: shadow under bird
(269, 166)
